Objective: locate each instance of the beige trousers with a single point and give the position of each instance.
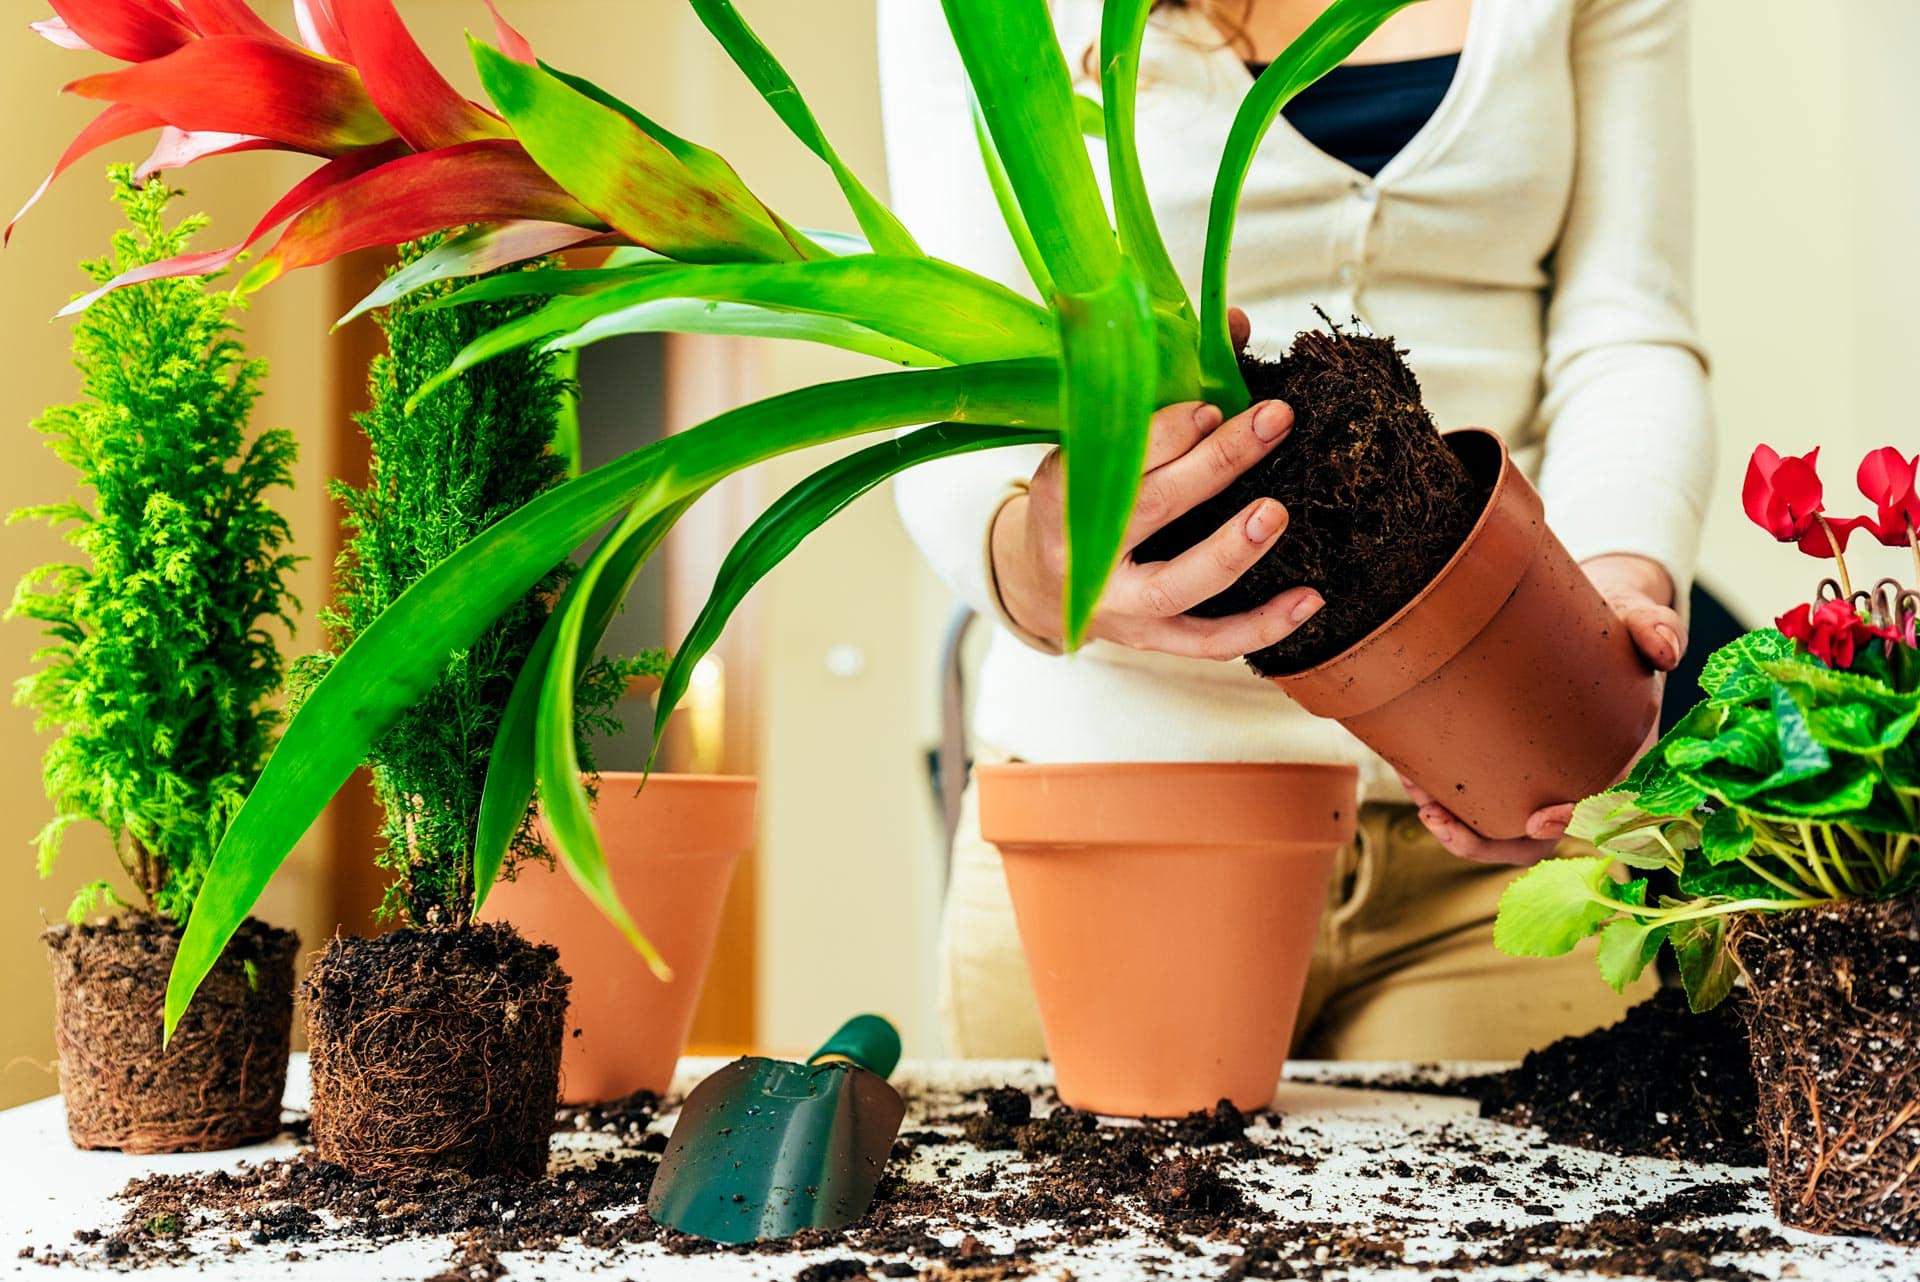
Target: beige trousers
(1404, 966)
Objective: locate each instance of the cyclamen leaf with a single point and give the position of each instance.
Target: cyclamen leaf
(1726, 882)
(1614, 823)
(1707, 967)
(1736, 672)
(1627, 947)
(1553, 906)
(1725, 836)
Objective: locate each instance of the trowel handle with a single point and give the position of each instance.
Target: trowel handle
(868, 1041)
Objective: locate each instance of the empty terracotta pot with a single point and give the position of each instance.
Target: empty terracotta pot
(1168, 914)
(1508, 684)
(671, 848)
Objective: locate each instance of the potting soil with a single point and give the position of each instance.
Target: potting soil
(1005, 1182)
(1377, 503)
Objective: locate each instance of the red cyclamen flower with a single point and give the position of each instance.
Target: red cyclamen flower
(1889, 479)
(1831, 631)
(1783, 496)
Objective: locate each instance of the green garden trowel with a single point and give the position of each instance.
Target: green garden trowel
(765, 1148)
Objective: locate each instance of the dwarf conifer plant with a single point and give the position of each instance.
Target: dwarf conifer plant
(161, 663)
(471, 452)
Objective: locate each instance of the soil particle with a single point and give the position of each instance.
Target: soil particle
(1663, 1082)
(217, 1085)
(436, 1049)
(1377, 503)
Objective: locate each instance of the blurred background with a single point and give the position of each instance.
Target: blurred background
(828, 687)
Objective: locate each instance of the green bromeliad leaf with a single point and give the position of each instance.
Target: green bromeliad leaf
(1553, 906)
(680, 205)
(398, 657)
(882, 228)
(1107, 399)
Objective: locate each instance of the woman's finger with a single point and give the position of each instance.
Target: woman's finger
(1239, 328)
(1656, 631)
(1210, 466)
(1177, 428)
(1460, 840)
(1231, 637)
(1163, 589)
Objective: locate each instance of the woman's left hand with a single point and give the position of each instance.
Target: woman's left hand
(1641, 593)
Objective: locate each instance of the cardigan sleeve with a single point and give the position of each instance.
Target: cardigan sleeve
(940, 191)
(1630, 442)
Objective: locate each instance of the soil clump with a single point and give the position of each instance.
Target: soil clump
(1663, 1082)
(1377, 503)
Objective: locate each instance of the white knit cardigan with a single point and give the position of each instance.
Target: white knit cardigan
(1531, 247)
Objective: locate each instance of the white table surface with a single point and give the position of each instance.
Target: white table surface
(48, 1190)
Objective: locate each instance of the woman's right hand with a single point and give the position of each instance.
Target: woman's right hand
(1191, 456)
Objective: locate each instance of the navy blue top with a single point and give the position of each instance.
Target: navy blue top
(1363, 114)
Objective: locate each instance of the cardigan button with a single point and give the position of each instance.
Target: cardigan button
(1348, 273)
(1365, 192)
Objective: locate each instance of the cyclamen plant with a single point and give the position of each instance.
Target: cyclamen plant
(1794, 784)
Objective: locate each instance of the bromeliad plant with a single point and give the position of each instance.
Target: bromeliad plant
(1794, 784)
(556, 162)
(160, 665)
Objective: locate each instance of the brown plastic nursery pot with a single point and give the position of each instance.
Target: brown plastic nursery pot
(1168, 914)
(672, 848)
(1834, 1020)
(218, 1085)
(1508, 684)
(435, 1050)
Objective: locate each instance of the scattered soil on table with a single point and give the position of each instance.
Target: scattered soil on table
(1377, 502)
(1062, 1182)
(1663, 1082)
(436, 1049)
(218, 1085)
(1835, 1019)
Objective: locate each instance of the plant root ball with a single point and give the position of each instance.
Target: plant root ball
(1835, 1027)
(218, 1085)
(1377, 503)
(436, 1050)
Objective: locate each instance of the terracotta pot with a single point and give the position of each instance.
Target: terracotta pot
(1508, 684)
(1168, 913)
(671, 848)
(1834, 1018)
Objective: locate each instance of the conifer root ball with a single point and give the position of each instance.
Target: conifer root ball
(436, 1050)
(218, 1085)
(1377, 502)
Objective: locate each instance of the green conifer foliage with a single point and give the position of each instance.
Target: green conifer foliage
(465, 457)
(160, 658)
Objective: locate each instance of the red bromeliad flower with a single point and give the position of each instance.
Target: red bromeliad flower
(1832, 631)
(1890, 480)
(406, 154)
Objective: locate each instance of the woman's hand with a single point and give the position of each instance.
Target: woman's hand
(1641, 593)
(1191, 456)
